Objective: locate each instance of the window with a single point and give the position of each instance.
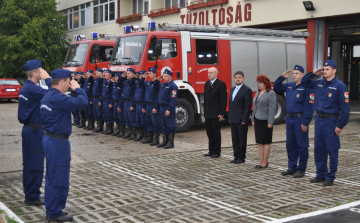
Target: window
(104, 10)
(78, 16)
(140, 6)
(206, 51)
(169, 49)
(179, 3)
(105, 54)
(356, 51)
(76, 55)
(9, 82)
(129, 50)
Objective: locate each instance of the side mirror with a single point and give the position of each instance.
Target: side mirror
(96, 50)
(158, 47)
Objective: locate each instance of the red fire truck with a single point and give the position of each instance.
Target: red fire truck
(189, 50)
(83, 54)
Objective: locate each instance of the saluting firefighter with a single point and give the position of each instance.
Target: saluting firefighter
(167, 100)
(332, 114)
(89, 113)
(153, 120)
(83, 85)
(106, 103)
(299, 108)
(98, 110)
(32, 131)
(55, 112)
(129, 104)
(75, 113)
(140, 105)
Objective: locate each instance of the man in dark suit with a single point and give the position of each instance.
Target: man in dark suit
(239, 111)
(215, 99)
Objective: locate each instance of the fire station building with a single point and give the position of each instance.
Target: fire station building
(334, 25)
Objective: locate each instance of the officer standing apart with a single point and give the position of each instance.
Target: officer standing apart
(98, 111)
(332, 114)
(167, 100)
(55, 111)
(32, 131)
(215, 100)
(299, 108)
(239, 111)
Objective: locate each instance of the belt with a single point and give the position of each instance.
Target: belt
(106, 98)
(139, 103)
(97, 96)
(116, 101)
(150, 103)
(164, 105)
(125, 100)
(34, 126)
(326, 115)
(56, 136)
(295, 115)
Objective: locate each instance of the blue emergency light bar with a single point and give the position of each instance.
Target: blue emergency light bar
(152, 26)
(94, 36)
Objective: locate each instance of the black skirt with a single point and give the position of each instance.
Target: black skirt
(263, 134)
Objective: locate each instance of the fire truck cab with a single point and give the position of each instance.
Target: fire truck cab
(189, 50)
(83, 54)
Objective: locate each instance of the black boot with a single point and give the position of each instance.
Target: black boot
(117, 130)
(91, 125)
(106, 128)
(97, 126)
(100, 127)
(148, 138)
(156, 139)
(141, 135)
(170, 143)
(133, 133)
(88, 123)
(122, 131)
(165, 140)
(82, 123)
(110, 129)
(129, 131)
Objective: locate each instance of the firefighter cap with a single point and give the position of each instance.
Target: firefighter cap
(32, 65)
(168, 72)
(109, 71)
(99, 70)
(330, 63)
(118, 74)
(131, 70)
(60, 73)
(299, 68)
(152, 69)
(142, 72)
(90, 71)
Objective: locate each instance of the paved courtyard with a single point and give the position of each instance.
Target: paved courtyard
(187, 187)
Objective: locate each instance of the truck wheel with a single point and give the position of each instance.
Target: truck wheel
(184, 115)
(280, 112)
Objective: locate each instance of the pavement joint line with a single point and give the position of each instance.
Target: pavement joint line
(9, 213)
(343, 181)
(220, 204)
(316, 213)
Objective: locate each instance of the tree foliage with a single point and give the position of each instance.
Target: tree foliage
(29, 30)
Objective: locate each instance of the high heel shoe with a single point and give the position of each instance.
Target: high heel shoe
(267, 164)
(263, 167)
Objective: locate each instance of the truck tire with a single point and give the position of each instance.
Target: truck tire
(280, 112)
(184, 117)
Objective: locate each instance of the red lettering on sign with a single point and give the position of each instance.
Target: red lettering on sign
(188, 18)
(207, 18)
(222, 16)
(214, 11)
(182, 17)
(230, 15)
(195, 17)
(247, 12)
(238, 17)
(201, 18)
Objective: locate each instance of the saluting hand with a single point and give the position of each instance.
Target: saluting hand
(44, 74)
(160, 78)
(318, 71)
(146, 75)
(287, 73)
(74, 84)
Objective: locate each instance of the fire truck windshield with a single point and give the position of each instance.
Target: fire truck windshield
(128, 50)
(76, 55)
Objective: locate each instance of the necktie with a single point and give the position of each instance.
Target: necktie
(234, 93)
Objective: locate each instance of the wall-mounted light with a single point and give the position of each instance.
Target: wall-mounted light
(308, 6)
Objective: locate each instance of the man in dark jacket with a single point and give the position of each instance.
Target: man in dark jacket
(215, 99)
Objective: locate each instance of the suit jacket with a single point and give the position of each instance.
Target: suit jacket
(215, 99)
(239, 109)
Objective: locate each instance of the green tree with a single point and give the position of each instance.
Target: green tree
(30, 29)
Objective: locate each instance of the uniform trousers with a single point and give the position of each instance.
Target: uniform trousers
(327, 143)
(76, 116)
(98, 110)
(153, 121)
(140, 117)
(120, 115)
(129, 115)
(58, 157)
(297, 144)
(83, 113)
(167, 122)
(213, 128)
(107, 112)
(33, 162)
(89, 113)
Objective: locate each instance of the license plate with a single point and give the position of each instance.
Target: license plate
(10, 90)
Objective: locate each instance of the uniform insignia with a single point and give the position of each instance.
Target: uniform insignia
(326, 63)
(174, 92)
(298, 95)
(346, 95)
(319, 85)
(329, 95)
(312, 97)
(296, 68)
(346, 100)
